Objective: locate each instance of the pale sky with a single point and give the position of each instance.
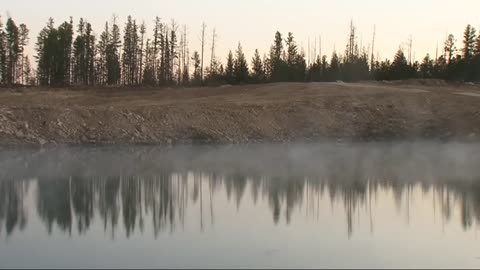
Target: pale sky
(254, 22)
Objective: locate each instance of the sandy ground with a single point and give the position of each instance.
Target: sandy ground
(277, 112)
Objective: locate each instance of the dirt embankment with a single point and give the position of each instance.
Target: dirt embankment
(280, 112)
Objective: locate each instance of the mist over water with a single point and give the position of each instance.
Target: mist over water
(316, 205)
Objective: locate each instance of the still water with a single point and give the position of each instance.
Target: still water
(299, 205)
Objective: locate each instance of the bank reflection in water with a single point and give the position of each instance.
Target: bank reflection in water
(164, 202)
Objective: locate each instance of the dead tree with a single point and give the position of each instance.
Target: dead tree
(212, 57)
(204, 27)
(373, 47)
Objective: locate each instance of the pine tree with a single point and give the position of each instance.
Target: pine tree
(449, 48)
(276, 63)
(64, 53)
(157, 42)
(258, 72)
(291, 51)
(134, 53)
(113, 55)
(469, 42)
(90, 54)
(352, 48)
(149, 72)
(80, 54)
(126, 55)
(141, 52)
(44, 51)
(173, 55)
(102, 49)
(197, 76)
(13, 50)
(229, 69)
(240, 66)
(27, 71)
(334, 68)
(426, 68)
(477, 46)
(295, 62)
(166, 60)
(3, 55)
(130, 54)
(23, 42)
(400, 69)
(54, 47)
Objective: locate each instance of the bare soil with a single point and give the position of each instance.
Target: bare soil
(277, 112)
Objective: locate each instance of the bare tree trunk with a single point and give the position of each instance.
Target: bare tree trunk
(212, 57)
(185, 52)
(373, 46)
(204, 27)
(180, 57)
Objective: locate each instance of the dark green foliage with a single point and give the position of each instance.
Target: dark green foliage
(449, 48)
(102, 48)
(258, 71)
(172, 55)
(333, 72)
(13, 49)
(149, 72)
(296, 65)
(214, 73)
(277, 65)
(197, 76)
(3, 55)
(130, 54)
(240, 67)
(426, 68)
(469, 42)
(229, 69)
(162, 59)
(399, 69)
(84, 54)
(382, 70)
(54, 50)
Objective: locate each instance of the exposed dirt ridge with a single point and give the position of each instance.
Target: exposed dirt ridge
(280, 112)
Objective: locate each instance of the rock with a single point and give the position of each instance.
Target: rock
(42, 141)
(19, 134)
(26, 125)
(169, 141)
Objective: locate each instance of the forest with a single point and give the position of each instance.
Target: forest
(69, 54)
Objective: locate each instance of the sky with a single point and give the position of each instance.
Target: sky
(254, 22)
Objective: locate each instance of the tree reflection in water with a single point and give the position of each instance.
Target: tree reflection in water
(161, 189)
(162, 201)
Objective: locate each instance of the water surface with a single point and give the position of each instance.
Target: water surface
(298, 205)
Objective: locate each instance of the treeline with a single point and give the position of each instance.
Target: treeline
(14, 64)
(68, 54)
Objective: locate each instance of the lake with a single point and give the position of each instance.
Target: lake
(402, 204)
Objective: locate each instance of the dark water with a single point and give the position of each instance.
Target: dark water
(316, 205)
